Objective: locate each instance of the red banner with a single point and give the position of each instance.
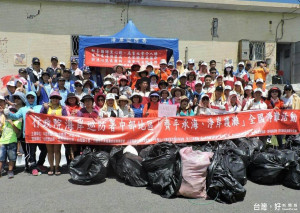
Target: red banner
(41, 128)
(107, 57)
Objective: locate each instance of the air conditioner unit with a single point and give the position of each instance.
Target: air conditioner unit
(244, 50)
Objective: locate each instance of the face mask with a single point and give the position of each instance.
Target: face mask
(228, 69)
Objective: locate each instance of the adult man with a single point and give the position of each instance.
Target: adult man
(163, 72)
(190, 67)
(29, 86)
(212, 64)
(75, 70)
(87, 76)
(188, 90)
(260, 71)
(96, 77)
(208, 88)
(54, 66)
(170, 66)
(134, 75)
(35, 71)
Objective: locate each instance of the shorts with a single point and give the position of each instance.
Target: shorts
(8, 150)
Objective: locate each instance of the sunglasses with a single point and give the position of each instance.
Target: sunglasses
(205, 99)
(30, 97)
(36, 63)
(288, 90)
(16, 97)
(78, 85)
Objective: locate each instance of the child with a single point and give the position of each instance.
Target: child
(8, 142)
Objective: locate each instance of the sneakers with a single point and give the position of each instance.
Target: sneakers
(10, 174)
(35, 172)
(269, 141)
(42, 168)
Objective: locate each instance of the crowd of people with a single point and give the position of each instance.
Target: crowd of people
(134, 92)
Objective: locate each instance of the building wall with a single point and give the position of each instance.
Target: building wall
(49, 32)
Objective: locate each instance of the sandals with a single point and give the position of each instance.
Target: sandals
(50, 173)
(57, 173)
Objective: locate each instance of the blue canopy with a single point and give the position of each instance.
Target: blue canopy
(129, 38)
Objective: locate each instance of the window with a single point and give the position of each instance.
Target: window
(257, 50)
(75, 44)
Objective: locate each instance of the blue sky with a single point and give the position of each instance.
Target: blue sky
(278, 1)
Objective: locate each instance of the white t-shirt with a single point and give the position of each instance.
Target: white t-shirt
(288, 101)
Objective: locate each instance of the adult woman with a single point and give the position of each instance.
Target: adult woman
(219, 81)
(144, 88)
(44, 88)
(273, 102)
(291, 99)
(229, 78)
(165, 97)
(53, 150)
(99, 99)
(72, 104)
(137, 105)
(233, 104)
(248, 94)
(88, 111)
(110, 107)
(257, 102)
(124, 88)
(184, 108)
(116, 91)
(203, 71)
(88, 86)
(179, 67)
(162, 85)
(204, 107)
(191, 79)
(119, 70)
(151, 109)
(227, 90)
(124, 104)
(170, 82)
(176, 94)
(175, 74)
(238, 88)
(79, 89)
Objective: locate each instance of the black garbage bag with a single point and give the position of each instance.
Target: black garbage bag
(207, 147)
(257, 144)
(292, 177)
(236, 166)
(163, 168)
(268, 167)
(145, 152)
(89, 167)
(227, 144)
(128, 167)
(220, 184)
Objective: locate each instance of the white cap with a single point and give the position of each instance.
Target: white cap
(248, 87)
(110, 96)
(107, 83)
(241, 63)
(204, 64)
(2, 97)
(227, 65)
(227, 87)
(11, 83)
(131, 150)
(62, 63)
(149, 65)
(258, 90)
(179, 61)
(232, 93)
(79, 82)
(191, 61)
(238, 83)
(163, 61)
(198, 82)
(259, 80)
(204, 95)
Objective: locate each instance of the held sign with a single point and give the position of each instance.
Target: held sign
(42, 128)
(166, 110)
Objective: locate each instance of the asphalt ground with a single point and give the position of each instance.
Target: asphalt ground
(26, 193)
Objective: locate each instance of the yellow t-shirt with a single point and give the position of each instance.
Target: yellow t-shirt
(8, 133)
(57, 111)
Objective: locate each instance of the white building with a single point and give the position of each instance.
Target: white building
(207, 29)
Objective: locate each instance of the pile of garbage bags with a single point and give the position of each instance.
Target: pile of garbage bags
(214, 170)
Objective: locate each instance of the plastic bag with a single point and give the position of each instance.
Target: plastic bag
(128, 167)
(236, 166)
(163, 166)
(292, 178)
(194, 170)
(267, 167)
(89, 167)
(221, 185)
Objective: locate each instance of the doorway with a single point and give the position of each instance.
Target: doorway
(284, 61)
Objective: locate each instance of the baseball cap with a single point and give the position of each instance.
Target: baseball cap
(2, 97)
(227, 87)
(107, 83)
(22, 70)
(61, 79)
(78, 82)
(198, 82)
(232, 93)
(238, 83)
(182, 76)
(170, 64)
(179, 61)
(204, 64)
(54, 58)
(35, 60)
(259, 80)
(191, 61)
(62, 63)
(228, 65)
(73, 61)
(153, 93)
(110, 96)
(11, 83)
(219, 88)
(67, 70)
(241, 63)
(288, 87)
(258, 90)
(248, 87)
